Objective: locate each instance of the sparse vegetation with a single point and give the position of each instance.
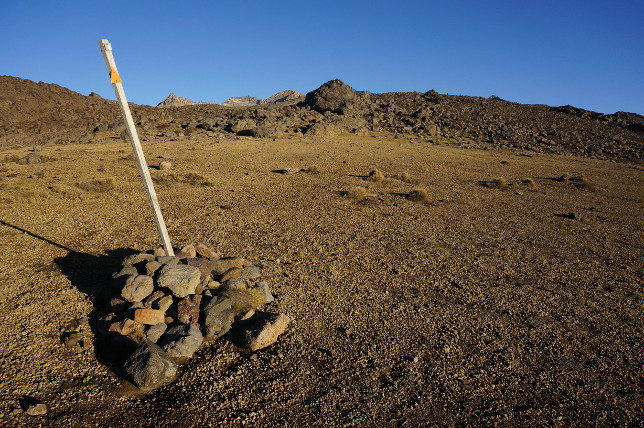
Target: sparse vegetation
(376, 176)
(563, 178)
(191, 178)
(530, 183)
(498, 183)
(419, 195)
(405, 177)
(313, 169)
(357, 194)
(98, 186)
(583, 182)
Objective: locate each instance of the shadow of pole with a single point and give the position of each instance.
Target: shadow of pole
(92, 275)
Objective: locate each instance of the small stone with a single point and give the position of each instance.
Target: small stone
(251, 272)
(137, 288)
(159, 252)
(154, 332)
(204, 251)
(71, 339)
(33, 158)
(119, 304)
(218, 317)
(137, 258)
(181, 280)
(152, 299)
(149, 316)
(205, 266)
(262, 330)
(213, 285)
(182, 340)
(168, 260)
(165, 165)
(35, 408)
(187, 252)
(188, 309)
(235, 262)
(266, 292)
(235, 284)
(151, 267)
(164, 303)
(574, 216)
(149, 367)
(125, 327)
(234, 272)
(169, 320)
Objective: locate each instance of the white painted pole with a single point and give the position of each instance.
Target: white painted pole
(106, 48)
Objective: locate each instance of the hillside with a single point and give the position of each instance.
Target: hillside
(40, 113)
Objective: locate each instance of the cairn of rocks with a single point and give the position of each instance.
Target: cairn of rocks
(169, 306)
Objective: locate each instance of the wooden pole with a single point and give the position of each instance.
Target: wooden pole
(106, 48)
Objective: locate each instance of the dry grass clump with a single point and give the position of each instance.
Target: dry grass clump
(405, 177)
(583, 182)
(376, 176)
(313, 169)
(498, 183)
(563, 178)
(419, 195)
(98, 186)
(530, 183)
(191, 178)
(357, 194)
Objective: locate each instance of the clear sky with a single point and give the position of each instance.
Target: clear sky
(586, 53)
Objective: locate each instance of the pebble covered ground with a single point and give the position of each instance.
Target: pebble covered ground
(486, 305)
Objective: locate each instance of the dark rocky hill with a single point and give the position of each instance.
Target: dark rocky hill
(39, 113)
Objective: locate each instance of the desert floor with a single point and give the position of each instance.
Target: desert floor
(482, 307)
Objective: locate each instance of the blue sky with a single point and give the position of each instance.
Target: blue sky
(585, 53)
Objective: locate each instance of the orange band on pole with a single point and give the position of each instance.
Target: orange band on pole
(114, 76)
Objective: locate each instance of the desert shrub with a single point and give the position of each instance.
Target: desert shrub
(530, 183)
(497, 183)
(405, 177)
(375, 175)
(419, 195)
(313, 169)
(583, 182)
(563, 178)
(191, 178)
(357, 194)
(98, 186)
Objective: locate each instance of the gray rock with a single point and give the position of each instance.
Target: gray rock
(181, 340)
(151, 267)
(154, 332)
(288, 171)
(32, 158)
(149, 367)
(261, 330)
(137, 258)
(181, 280)
(266, 292)
(137, 288)
(168, 260)
(251, 272)
(218, 317)
(206, 266)
(34, 407)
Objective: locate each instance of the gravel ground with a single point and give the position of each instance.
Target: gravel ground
(483, 307)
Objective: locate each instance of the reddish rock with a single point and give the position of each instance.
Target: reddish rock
(149, 316)
(262, 330)
(124, 327)
(235, 262)
(188, 309)
(234, 272)
(159, 252)
(187, 252)
(204, 251)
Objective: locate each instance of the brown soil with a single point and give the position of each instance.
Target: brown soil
(488, 306)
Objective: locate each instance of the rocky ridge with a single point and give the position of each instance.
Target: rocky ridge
(48, 114)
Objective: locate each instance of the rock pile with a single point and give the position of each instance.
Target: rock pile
(170, 306)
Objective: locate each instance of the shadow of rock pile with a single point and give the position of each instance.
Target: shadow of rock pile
(164, 308)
